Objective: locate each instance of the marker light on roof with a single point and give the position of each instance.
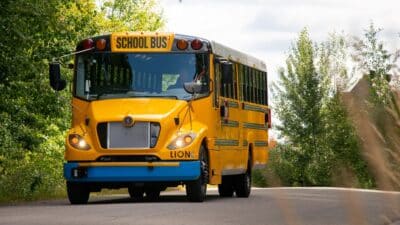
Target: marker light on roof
(182, 44)
(101, 44)
(196, 44)
(87, 44)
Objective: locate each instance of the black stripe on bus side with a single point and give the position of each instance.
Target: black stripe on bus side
(226, 142)
(230, 123)
(261, 143)
(254, 108)
(232, 104)
(256, 126)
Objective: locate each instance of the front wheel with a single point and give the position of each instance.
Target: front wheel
(78, 193)
(196, 190)
(136, 193)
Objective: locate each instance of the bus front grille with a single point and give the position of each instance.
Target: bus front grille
(114, 135)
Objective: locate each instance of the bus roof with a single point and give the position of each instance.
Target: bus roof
(237, 56)
(230, 53)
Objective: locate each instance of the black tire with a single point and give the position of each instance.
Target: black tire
(243, 182)
(152, 194)
(225, 189)
(78, 193)
(196, 191)
(136, 193)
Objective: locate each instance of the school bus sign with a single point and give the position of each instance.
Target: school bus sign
(141, 42)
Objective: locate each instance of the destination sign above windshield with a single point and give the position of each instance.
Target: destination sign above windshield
(141, 42)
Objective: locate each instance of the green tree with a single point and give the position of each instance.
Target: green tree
(373, 59)
(342, 139)
(31, 116)
(340, 136)
(131, 15)
(332, 59)
(318, 136)
(300, 96)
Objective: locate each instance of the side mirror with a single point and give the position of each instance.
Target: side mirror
(56, 82)
(227, 72)
(192, 87)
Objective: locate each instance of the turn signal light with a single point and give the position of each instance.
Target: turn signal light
(188, 139)
(182, 141)
(78, 142)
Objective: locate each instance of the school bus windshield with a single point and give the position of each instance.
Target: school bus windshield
(129, 75)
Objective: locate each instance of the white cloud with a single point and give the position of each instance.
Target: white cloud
(266, 28)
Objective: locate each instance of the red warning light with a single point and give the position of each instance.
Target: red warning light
(87, 44)
(196, 44)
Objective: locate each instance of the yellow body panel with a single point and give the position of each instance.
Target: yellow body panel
(155, 110)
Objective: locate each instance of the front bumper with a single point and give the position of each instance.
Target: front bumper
(132, 171)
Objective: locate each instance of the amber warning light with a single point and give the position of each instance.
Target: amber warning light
(101, 44)
(182, 44)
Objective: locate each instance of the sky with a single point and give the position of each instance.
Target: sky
(267, 28)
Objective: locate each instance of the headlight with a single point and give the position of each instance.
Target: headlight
(77, 141)
(181, 141)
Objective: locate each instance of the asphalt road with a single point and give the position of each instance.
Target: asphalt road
(276, 206)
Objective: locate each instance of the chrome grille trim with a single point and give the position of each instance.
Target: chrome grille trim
(128, 138)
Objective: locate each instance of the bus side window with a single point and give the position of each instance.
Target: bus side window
(218, 76)
(241, 82)
(218, 86)
(262, 88)
(265, 85)
(228, 83)
(234, 83)
(259, 96)
(247, 84)
(253, 88)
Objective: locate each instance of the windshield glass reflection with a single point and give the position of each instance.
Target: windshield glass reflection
(111, 75)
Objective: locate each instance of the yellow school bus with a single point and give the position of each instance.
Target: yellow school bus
(156, 110)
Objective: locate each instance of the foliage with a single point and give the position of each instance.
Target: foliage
(258, 178)
(342, 139)
(333, 55)
(301, 95)
(318, 136)
(34, 119)
(123, 15)
(373, 59)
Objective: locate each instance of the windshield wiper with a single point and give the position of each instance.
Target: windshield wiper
(111, 91)
(154, 96)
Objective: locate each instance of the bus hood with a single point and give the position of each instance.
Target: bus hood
(140, 109)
